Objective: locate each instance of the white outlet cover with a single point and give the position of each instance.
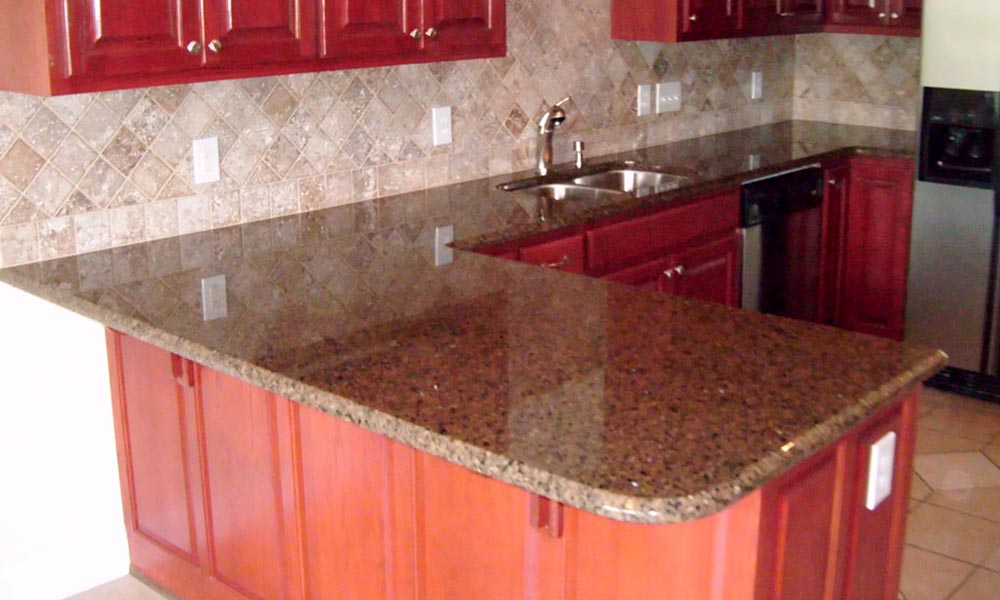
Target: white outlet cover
(205, 156)
(756, 85)
(753, 160)
(443, 253)
(644, 100)
(441, 125)
(668, 96)
(881, 462)
(213, 298)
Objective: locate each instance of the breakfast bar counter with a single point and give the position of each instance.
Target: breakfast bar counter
(586, 396)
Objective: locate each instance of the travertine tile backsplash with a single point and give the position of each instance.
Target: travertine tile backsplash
(93, 171)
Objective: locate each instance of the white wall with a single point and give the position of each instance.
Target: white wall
(961, 44)
(61, 524)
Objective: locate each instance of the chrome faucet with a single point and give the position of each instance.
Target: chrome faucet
(552, 118)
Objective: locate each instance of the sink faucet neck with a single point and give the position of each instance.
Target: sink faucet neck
(553, 118)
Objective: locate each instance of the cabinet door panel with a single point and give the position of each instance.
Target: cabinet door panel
(708, 272)
(122, 37)
(565, 254)
(362, 28)
(464, 27)
(878, 246)
(249, 504)
(834, 234)
(857, 12)
(908, 14)
(257, 32)
(161, 464)
(701, 19)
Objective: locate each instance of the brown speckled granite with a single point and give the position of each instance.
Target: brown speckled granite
(629, 404)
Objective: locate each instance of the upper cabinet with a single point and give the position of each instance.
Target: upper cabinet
(875, 16)
(683, 20)
(675, 20)
(69, 46)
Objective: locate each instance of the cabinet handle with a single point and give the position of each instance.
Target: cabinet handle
(894, 15)
(679, 269)
(881, 15)
(555, 265)
(194, 47)
(693, 18)
(787, 14)
(431, 33)
(215, 46)
(831, 181)
(415, 34)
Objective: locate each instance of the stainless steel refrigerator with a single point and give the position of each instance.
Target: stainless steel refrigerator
(953, 296)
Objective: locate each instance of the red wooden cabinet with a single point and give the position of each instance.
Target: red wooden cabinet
(763, 17)
(675, 20)
(564, 254)
(834, 237)
(877, 246)
(709, 271)
(899, 17)
(71, 46)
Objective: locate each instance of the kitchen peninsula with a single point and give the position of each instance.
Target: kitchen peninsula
(364, 424)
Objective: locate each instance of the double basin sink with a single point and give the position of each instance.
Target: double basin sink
(603, 182)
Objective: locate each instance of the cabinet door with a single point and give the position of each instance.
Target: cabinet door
(457, 28)
(259, 32)
(246, 450)
(782, 16)
(880, 204)
(906, 14)
(121, 38)
(707, 272)
(646, 275)
(701, 19)
(832, 245)
(564, 254)
(371, 28)
(857, 12)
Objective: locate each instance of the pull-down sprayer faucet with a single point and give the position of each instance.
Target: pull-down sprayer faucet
(552, 118)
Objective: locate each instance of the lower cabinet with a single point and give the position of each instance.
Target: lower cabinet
(232, 492)
(876, 246)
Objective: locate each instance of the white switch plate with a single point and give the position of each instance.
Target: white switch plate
(443, 254)
(205, 156)
(753, 161)
(668, 96)
(644, 100)
(441, 125)
(213, 297)
(756, 85)
(881, 461)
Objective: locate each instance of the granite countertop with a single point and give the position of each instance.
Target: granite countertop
(630, 404)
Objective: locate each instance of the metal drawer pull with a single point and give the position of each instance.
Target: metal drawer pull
(194, 47)
(415, 34)
(431, 33)
(215, 46)
(693, 18)
(555, 265)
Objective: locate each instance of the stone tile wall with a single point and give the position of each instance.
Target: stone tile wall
(93, 171)
(858, 79)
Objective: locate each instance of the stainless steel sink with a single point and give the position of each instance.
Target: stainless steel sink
(607, 181)
(632, 181)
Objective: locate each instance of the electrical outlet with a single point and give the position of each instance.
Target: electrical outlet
(443, 254)
(753, 161)
(881, 460)
(441, 125)
(213, 298)
(644, 100)
(205, 156)
(756, 85)
(668, 96)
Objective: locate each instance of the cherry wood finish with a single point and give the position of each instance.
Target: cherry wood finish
(709, 271)
(564, 254)
(834, 238)
(675, 20)
(886, 17)
(765, 17)
(232, 492)
(880, 206)
(259, 32)
(71, 46)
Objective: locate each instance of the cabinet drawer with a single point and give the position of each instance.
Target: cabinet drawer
(620, 243)
(565, 254)
(645, 275)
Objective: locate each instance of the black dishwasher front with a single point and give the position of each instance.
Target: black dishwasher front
(781, 226)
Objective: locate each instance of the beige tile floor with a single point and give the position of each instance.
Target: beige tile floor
(953, 536)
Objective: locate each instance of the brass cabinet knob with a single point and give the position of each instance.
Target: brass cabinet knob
(693, 18)
(194, 47)
(894, 15)
(415, 34)
(431, 33)
(679, 269)
(215, 46)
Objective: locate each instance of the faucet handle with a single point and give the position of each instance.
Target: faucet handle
(563, 101)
